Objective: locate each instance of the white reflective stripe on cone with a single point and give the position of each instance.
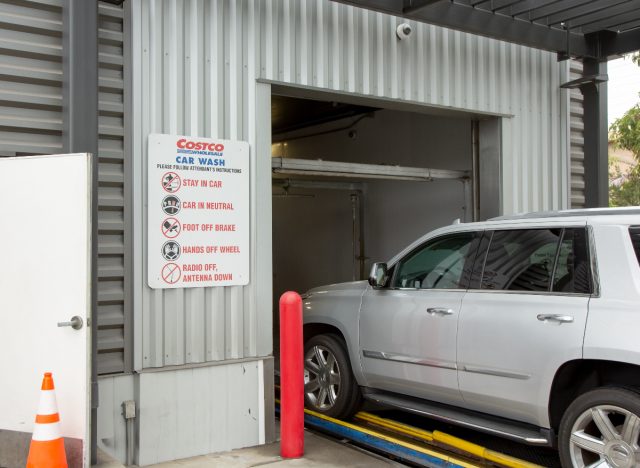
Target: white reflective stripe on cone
(48, 404)
(44, 432)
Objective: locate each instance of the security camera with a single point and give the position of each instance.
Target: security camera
(403, 31)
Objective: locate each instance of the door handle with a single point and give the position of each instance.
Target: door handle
(555, 318)
(439, 311)
(76, 323)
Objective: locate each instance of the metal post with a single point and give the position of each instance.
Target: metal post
(80, 135)
(472, 194)
(291, 377)
(596, 158)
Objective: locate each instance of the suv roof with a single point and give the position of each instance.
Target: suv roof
(571, 213)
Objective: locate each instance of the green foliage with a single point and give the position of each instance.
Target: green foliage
(626, 190)
(625, 131)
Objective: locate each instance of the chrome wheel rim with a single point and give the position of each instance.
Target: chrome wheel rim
(605, 436)
(321, 377)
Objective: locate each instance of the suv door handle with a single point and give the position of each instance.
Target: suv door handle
(555, 318)
(439, 311)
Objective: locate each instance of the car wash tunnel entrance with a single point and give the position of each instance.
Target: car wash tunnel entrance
(354, 182)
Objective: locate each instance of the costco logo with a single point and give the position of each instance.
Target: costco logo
(199, 145)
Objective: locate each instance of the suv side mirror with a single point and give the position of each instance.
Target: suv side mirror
(378, 277)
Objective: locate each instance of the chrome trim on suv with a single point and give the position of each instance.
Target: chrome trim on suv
(412, 360)
(497, 373)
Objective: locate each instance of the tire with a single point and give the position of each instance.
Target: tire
(330, 387)
(601, 425)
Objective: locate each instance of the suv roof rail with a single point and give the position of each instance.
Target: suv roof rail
(632, 210)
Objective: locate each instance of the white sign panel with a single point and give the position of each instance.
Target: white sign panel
(198, 212)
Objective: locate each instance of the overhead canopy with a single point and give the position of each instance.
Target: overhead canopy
(593, 29)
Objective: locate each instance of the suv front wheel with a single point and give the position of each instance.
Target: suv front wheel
(601, 428)
(329, 385)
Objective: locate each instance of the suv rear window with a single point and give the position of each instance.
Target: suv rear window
(634, 231)
(551, 260)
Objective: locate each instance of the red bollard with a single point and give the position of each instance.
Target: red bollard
(291, 377)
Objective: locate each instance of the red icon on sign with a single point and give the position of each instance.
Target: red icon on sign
(171, 182)
(171, 227)
(171, 273)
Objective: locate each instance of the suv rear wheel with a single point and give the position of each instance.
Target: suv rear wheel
(329, 385)
(601, 428)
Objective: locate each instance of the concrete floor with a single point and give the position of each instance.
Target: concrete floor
(319, 452)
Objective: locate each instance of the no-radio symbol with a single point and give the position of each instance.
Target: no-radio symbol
(171, 273)
(171, 204)
(171, 182)
(171, 250)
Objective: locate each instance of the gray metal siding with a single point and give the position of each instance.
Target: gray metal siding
(576, 138)
(31, 101)
(113, 305)
(196, 69)
(30, 77)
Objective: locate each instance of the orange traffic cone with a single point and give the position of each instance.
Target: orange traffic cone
(47, 445)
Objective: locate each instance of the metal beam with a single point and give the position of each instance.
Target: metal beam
(529, 5)
(80, 75)
(613, 21)
(595, 137)
(629, 26)
(484, 23)
(540, 13)
(416, 5)
(584, 80)
(316, 167)
(496, 6)
(80, 135)
(622, 43)
(504, 28)
(617, 15)
(582, 12)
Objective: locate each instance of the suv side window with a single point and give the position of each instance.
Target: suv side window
(634, 232)
(442, 263)
(573, 269)
(521, 260)
(537, 260)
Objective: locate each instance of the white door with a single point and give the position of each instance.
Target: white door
(408, 330)
(45, 240)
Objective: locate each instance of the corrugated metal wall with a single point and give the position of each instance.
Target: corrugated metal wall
(196, 63)
(31, 122)
(30, 77)
(114, 306)
(576, 138)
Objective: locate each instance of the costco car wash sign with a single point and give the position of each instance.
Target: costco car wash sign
(198, 212)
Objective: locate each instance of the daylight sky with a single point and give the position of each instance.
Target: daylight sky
(623, 88)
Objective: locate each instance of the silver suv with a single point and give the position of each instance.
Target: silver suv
(526, 327)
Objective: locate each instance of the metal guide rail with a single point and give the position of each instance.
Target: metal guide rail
(409, 444)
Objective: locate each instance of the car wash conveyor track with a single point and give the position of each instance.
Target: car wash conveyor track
(409, 444)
